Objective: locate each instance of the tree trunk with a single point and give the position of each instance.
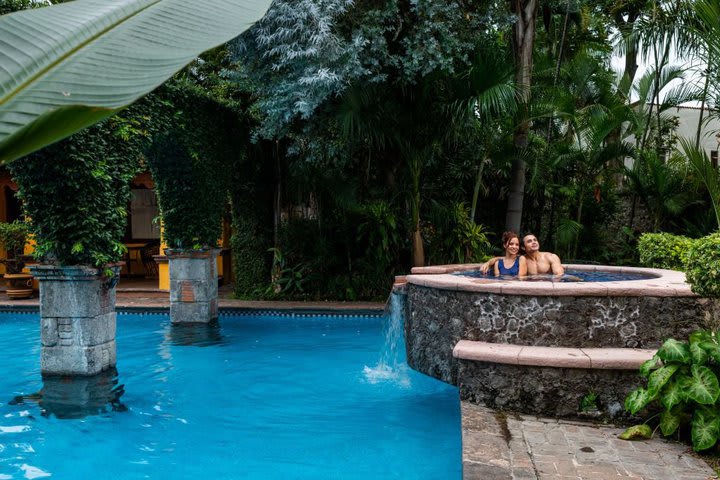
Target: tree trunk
(706, 86)
(277, 203)
(476, 189)
(418, 251)
(523, 40)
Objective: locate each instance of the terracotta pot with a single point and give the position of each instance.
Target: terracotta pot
(19, 285)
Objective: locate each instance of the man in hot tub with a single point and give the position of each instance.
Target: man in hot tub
(537, 262)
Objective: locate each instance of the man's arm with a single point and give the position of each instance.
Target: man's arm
(555, 265)
(485, 267)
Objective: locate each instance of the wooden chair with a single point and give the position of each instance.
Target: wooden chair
(151, 266)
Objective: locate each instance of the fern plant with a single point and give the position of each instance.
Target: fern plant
(682, 377)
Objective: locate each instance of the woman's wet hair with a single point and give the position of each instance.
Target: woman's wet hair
(509, 235)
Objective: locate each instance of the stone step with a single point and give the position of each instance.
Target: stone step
(559, 357)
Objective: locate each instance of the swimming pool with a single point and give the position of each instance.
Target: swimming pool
(257, 396)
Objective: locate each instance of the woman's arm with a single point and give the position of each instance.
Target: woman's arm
(497, 269)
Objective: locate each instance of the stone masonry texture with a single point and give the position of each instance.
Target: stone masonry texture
(437, 319)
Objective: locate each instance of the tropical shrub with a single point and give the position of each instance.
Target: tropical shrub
(453, 237)
(251, 270)
(682, 377)
(191, 192)
(664, 250)
(703, 266)
(12, 238)
(379, 232)
(75, 194)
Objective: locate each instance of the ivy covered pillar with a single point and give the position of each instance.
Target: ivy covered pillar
(77, 319)
(193, 285)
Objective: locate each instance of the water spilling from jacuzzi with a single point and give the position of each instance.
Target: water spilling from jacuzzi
(392, 366)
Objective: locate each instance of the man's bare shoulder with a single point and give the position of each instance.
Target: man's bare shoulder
(549, 256)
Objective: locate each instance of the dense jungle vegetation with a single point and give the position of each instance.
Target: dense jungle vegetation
(359, 139)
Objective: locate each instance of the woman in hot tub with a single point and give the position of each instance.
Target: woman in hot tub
(512, 264)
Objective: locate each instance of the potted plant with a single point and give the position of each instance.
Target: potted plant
(192, 193)
(13, 237)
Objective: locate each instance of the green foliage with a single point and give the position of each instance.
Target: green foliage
(286, 279)
(683, 378)
(453, 237)
(703, 266)
(664, 250)
(9, 6)
(75, 194)
(191, 191)
(588, 402)
(379, 232)
(664, 187)
(706, 172)
(102, 57)
(249, 257)
(13, 237)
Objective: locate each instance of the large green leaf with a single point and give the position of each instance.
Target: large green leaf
(67, 66)
(697, 339)
(649, 365)
(670, 422)
(698, 354)
(703, 386)
(673, 394)
(705, 429)
(712, 348)
(674, 351)
(637, 400)
(637, 432)
(660, 377)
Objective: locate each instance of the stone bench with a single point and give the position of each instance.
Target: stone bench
(555, 381)
(558, 357)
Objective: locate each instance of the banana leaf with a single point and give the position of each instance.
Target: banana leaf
(67, 66)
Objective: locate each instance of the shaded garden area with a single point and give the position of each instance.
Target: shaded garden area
(345, 143)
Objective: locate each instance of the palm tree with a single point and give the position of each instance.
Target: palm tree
(522, 45)
(662, 186)
(415, 122)
(703, 168)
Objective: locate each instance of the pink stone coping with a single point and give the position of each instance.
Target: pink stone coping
(665, 283)
(557, 357)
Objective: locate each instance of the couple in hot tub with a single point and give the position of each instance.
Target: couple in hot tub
(532, 262)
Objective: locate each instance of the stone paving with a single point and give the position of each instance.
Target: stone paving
(521, 447)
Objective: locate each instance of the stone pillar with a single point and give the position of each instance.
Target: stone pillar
(77, 319)
(193, 285)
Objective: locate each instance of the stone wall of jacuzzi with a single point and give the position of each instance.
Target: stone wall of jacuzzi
(436, 319)
(555, 392)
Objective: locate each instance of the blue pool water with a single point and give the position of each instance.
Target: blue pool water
(257, 397)
(570, 276)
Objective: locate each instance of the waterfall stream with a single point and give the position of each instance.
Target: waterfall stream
(392, 366)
